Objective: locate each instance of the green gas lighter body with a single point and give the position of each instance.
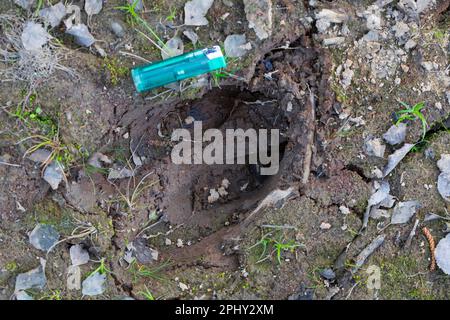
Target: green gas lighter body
(177, 68)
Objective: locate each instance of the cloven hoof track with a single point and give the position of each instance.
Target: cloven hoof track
(293, 101)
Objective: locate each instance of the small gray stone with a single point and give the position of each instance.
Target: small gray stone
(195, 12)
(54, 174)
(78, 255)
(34, 36)
(94, 285)
(43, 237)
(40, 155)
(174, 47)
(327, 274)
(395, 158)
(115, 173)
(374, 147)
(33, 279)
(22, 295)
(117, 29)
(53, 15)
(326, 17)
(81, 34)
(444, 186)
(235, 45)
(93, 7)
(143, 253)
(25, 4)
(442, 254)
(404, 211)
(191, 35)
(444, 163)
(259, 17)
(396, 134)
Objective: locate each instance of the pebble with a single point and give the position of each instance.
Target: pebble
(442, 254)
(94, 285)
(43, 237)
(78, 255)
(396, 134)
(54, 174)
(195, 12)
(325, 226)
(235, 45)
(404, 211)
(33, 279)
(117, 29)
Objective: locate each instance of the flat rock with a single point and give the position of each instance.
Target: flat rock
(93, 7)
(444, 163)
(81, 34)
(195, 12)
(78, 255)
(40, 155)
(117, 29)
(442, 254)
(259, 17)
(43, 237)
(396, 134)
(326, 17)
(395, 158)
(54, 174)
(119, 173)
(143, 253)
(22, 295)
(53, 15)
(94, 285)
(375, 147)
(443, 186)
(34, 36)
(33, 279)
(173, 47)
(235, 45)
(25, 4)
(404, 211)
(191, 35)
(73, 278)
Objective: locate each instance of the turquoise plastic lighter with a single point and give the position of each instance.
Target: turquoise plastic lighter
(177, 68)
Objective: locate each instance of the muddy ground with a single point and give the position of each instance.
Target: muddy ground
(326, 100)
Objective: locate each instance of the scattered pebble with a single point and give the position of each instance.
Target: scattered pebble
(375, 147)
(53, 15)
(168, 242)
(43, 237)
(33, 279)
(143, 253)
(25, 4)
(259, 17)
(119, 173)
(40, 155)
(22, 295)
(213, 196)
(74, 278)
(34, 36)
(326, 17)
(191, 35)
(236, 45)
(195, 12)
(94, 285)
(404, 211)
(173, 47)
(78, 255)
(395, 158)
(327, 274)
(396, 134)
(117, 29)
(344, 210)
(183, 286)
(81, 34)
(442, 254)
(325, 226)
(54, 174)
(180, 243)
(93, 7)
